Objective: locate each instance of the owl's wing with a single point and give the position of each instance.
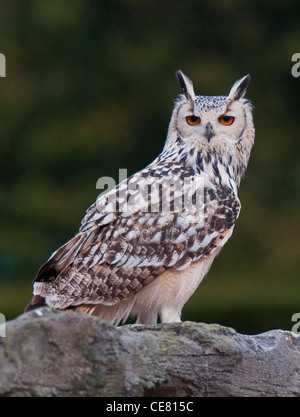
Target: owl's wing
(107, 208)
(117, 253)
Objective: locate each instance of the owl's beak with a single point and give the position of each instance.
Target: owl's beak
(209, 131)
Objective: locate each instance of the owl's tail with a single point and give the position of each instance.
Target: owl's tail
(36, 302)
(60, 260)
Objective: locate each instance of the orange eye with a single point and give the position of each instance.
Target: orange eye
(226, 120)
(193, 120)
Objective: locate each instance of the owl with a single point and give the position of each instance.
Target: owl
(144, 247)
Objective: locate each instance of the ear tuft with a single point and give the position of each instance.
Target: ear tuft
(239, 88)
(186, 85)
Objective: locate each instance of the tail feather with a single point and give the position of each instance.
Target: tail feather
(36, 302)
(57, 263)
(63, 257)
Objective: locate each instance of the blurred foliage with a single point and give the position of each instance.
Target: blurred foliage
(90, 88)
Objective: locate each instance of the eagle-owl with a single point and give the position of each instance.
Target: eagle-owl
(144, 247)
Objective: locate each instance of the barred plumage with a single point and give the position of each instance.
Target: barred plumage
(145, 246)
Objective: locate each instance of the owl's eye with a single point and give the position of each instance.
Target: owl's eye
(226, 120)
(193, 120)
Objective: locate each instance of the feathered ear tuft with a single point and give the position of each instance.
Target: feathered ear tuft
(239, 88)
(186, 85)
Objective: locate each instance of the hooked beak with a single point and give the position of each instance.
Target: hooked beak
(209, 131)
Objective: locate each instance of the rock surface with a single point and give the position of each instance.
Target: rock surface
(47, 353)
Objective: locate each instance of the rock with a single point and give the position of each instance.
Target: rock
(48, 353)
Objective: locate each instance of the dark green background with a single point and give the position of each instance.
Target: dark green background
(90, 88)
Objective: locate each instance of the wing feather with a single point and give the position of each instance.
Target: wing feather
(116, 254)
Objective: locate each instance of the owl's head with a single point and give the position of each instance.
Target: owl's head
(218, 125)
